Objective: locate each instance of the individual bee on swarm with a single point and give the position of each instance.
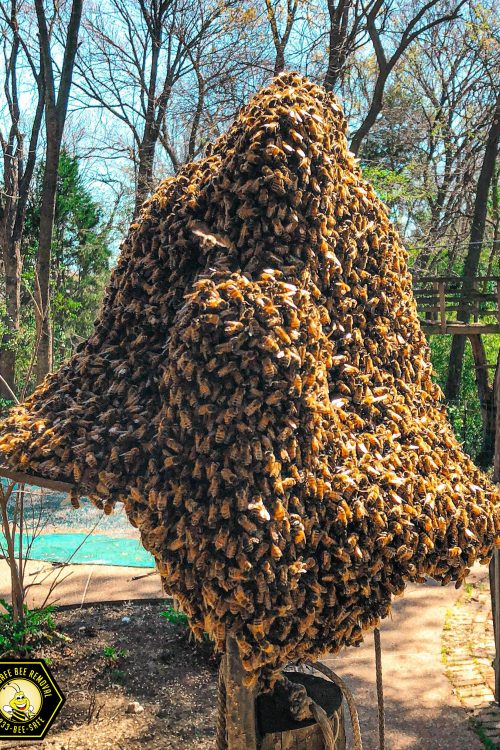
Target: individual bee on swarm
(19, 707)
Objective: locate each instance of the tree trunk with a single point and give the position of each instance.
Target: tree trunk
(487, 399)
(56, 108)
(145, 171)
(12, 270)
(17, 590)
(338, 46)
(42, 284)
(471, 263)
(279, 63)
(373, 113)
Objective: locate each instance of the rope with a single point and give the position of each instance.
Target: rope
(380, 689)
(324, 724)
(356, 731)
(220, 729)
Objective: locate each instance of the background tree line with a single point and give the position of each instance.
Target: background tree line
(100, 101)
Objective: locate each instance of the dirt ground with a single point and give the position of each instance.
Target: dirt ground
(153, 663)
(174, 681)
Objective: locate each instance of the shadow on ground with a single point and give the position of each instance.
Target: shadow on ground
(422, 713)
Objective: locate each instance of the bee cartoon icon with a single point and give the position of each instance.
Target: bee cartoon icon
(21, 702)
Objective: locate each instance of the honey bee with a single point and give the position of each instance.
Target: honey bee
(315, 537)
(185, 420)
(236, 398)
(276, 552)
(213, 487)
(246, 524)
(204, 387)
(252, 407)
(220, 434)
(278, 511)
(228, 476)
(299, 537)
(231, 548)
(236, 574)
(268, 368)
(74, 499)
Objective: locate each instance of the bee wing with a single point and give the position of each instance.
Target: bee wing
(7, 709)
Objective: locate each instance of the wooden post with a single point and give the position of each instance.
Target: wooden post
(495, 603)
(498, 301)
(495, 562)
(496, 404)
(240, 703)
(442, 306)
(21, 478)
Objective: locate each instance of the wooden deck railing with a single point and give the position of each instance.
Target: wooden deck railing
(442, 308)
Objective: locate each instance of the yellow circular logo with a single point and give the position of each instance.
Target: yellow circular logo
(30, 699)
(20, 700)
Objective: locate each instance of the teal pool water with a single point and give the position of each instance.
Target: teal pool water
(99, 549)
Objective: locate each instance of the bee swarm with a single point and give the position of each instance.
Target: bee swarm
(257, 391)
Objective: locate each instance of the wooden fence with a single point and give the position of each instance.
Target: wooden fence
(443, 308)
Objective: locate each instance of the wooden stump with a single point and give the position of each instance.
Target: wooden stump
(279, 731)
(240, 703)
(309, 738)
(264, 722)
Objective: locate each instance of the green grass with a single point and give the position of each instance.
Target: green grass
(479, 730)
(468, 589)
(175, 616)
(445, 651)
(23, 637)
(447, 623)
(114, 655)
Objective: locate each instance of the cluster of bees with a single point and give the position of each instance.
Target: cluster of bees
(257, 391)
